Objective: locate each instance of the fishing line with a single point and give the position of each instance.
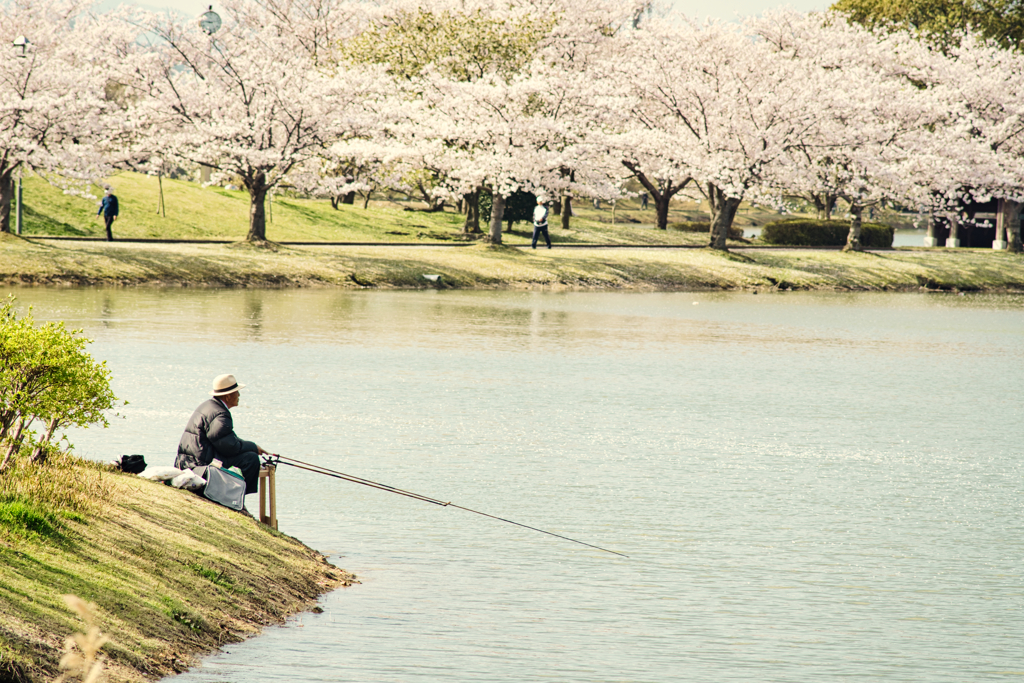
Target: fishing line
(317, 469)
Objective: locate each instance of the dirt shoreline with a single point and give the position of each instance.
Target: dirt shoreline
(479, 266)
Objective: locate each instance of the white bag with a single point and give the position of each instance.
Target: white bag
(188, 480)
(159, 473)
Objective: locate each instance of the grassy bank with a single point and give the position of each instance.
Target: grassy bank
(172, 575)
(194, 212)
(484, 267)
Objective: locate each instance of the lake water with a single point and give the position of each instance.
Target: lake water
(809, 487)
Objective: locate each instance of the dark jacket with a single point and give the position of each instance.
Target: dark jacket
(109, 206)
(209, 434)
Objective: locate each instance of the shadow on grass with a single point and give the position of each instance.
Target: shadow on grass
(41, 224)
(312, 215)
(557, 235)
(22, 518)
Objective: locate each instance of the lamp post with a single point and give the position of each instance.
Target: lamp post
(209, 21)
(17, 219)
(20, 45)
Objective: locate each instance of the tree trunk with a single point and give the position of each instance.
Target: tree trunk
(721, 223)
(497, 214)
(257, 212)
(6, 195)
(471, 226)
(427, 199)
(15, 443)
(661, 210)
(723, 211)
(563, 207)
(366, 199)
(819, 205)
(661, 195)
(1011, 219)
(557, 208)
(39, 454)
(830, 205)
(335, 203)
(853, 239)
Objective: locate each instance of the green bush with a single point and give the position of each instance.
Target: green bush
(807, 232)
(734, 232)
(46, 377)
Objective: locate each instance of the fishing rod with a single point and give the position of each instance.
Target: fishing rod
(276, 459)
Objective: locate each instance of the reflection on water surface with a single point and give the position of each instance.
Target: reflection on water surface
(810, 487)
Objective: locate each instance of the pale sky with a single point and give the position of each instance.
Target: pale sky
(722, 9)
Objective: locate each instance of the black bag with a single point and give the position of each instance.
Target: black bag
(133, 464)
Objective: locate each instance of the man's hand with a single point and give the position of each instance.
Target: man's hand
(261, 451)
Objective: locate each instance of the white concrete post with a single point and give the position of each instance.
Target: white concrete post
(953, 241)
(1000, 242)
(930, 239)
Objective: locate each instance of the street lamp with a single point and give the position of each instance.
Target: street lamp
(209, 21)
(20, 45)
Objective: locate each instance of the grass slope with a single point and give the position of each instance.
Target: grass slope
(172, 574)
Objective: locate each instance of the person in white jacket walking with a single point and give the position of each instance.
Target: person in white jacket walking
(540, 222)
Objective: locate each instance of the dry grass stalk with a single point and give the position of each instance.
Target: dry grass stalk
(86, 664)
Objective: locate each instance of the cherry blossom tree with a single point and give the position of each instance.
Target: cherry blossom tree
(878, 118)
(52, 95)
(459, 107)
(250, 101)
(731, 107)
(488, 97)
(986, 82)
(906, 122)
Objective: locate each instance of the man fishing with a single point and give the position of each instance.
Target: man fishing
(210, 435)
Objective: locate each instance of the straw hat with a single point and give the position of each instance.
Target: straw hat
(224, 385)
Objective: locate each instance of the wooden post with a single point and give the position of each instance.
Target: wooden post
(268, 488)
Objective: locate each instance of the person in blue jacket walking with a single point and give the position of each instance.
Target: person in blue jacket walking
(108, 207)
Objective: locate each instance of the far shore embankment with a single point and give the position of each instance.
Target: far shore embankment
(27, 261)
